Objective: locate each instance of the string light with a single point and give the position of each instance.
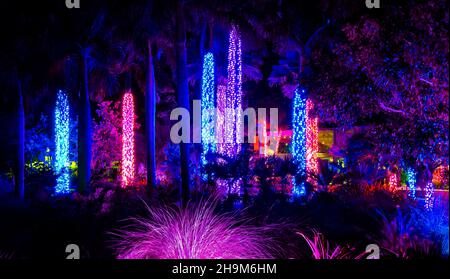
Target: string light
(429, 193)
(299, 117)
(62, 143)
(229, 105)
(312, 142)
(393, 181)
(238, 90)
(207, 106)
(411, 182)
(128, 140)
(220, 125)
(233, 98)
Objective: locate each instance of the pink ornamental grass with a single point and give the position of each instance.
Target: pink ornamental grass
(194, 232)
(321, 248)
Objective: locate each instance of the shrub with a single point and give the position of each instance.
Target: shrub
(433, 224)
(401, 237)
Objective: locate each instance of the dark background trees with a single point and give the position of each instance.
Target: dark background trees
(384, 71)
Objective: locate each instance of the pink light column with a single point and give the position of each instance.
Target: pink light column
(393, 181)
(312, 142)
(128, 171)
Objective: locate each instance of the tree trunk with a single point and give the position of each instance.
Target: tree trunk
(150, 121)
(206, 39)
(183, 100)
(301, 60)
(20, 178)
(84, 131)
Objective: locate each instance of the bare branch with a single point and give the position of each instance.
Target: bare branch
(386, 108)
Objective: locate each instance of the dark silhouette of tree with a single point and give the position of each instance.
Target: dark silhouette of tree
(84, 129)
(182, 97)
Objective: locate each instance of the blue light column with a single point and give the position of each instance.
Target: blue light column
(299, 118)
(62, 143)
(208, 102)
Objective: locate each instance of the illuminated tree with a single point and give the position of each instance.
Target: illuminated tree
(393, 181)
(299, 122)
(411, 182)
(429, 196)
(62, 134)
(128, 159)
(208, 102)
(312, 142)
(384, 79)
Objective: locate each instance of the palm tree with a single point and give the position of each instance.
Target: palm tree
(182, 97)
(91, 38)
(144, 40)
(144, 30)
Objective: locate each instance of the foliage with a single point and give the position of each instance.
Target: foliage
(401, 238)
(106, 141)
(330, 174)
(39, 154)
(433, 224)
(441, 177)
(168, 172)
(6, 184)
(321, 249)
(38, 141)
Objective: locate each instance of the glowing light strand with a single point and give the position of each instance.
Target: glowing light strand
(220, 124)
(299, 121)
(238, 99)
(393, 182)
(233, 97)
(208, 101)
(62, 133)
(429, 196)
(312, 142)
(411, 182)
(128, 171)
